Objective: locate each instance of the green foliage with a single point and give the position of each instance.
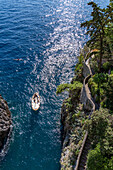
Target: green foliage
(109, 37)
(75, 86)
(108, 89)
(68, 103)
(106, 66)
(94, 65)
(103, 84)
(96, 161)
(78, 114)
(100, 78)
(96, 85)
(80, 58)
(96, 29)
(100, 130)
(75, 138)
(97, 125)
(109, 28)
(61, 88)
(93, 86)
(79, 67)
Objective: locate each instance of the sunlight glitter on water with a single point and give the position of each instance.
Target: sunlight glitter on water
(46, 34)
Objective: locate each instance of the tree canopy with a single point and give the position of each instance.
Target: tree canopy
(97, 29)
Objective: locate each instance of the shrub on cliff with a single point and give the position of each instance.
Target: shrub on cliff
(96, 85)
(96, 161)
(106, 66)
(61, 88)
(75, 86)
(100, 127)
(97, 125)
(100, 132)
(108, 88)
(79, 65)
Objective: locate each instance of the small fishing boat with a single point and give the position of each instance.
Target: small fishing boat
(35, 101)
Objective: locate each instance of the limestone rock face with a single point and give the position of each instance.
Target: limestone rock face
(5, 122)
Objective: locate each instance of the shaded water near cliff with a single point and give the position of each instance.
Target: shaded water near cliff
(46, 34)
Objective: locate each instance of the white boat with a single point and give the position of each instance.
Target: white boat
(35, 101)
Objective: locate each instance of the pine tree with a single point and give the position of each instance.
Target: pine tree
(96, 30)
(109, 28)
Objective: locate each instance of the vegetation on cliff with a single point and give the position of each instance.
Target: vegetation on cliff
(74, 118)
(101, 135)
(100, 125)
(98, 30)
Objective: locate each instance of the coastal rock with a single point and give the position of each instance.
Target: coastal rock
(64, 115)
(5, 122)
(73, 116)
(86, 69)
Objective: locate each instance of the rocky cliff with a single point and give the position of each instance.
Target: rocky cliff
(5, 126)
(73, 119)
(72, 134)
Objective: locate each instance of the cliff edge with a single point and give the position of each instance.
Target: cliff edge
(5, 126)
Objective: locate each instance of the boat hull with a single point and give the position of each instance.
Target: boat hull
(35, 102)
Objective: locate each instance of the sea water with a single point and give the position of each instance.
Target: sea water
(46, 36)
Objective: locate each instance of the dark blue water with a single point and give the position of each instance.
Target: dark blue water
(46, 34)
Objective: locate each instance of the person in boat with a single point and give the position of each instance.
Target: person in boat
(36, 98)
(18, 59)
(35, 95)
